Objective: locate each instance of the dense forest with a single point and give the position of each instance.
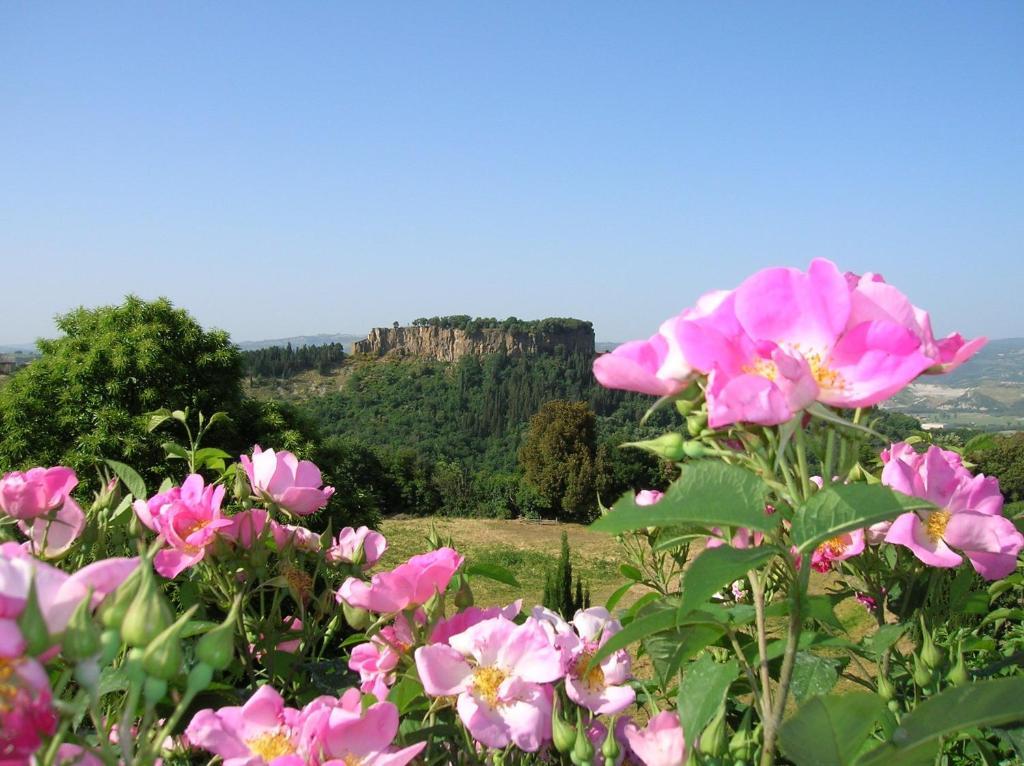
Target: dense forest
(511, 324)
(459, 428)
(284, 361)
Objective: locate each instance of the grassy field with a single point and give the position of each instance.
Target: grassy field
(529, 549)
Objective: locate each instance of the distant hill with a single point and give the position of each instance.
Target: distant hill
(986, 392)
(345, 339)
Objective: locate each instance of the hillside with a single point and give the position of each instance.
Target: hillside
(987, 392)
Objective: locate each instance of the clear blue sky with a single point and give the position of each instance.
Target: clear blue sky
(295, 168)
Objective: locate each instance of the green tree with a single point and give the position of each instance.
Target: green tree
(559, 594)
(1001, 456)
(558, 457)
(81, 400)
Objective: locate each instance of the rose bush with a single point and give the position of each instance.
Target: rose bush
(234, 627)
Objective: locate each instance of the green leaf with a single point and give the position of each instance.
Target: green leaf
(843, 508)
(175, 451)
(812, 675)
(704, 686)
(405, 693)
(130, 477)
(156, 419)
(884, 638)
(669, 649)
(706, 493)
(717, 567)
(658, 618)
(631, 573)
(997, 702)
(830, 731)
(616, 597)
(493, 572)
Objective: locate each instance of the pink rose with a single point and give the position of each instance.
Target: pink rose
(280, 478)
(407, 585)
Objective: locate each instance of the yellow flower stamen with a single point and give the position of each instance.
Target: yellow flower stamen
(935, 525)
(271, 745)
(487, 681)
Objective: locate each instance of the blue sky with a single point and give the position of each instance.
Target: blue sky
(295, 168)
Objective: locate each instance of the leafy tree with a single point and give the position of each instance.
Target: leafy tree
(1001, 456)
(559, 595)
(558, 457)
(81, 400)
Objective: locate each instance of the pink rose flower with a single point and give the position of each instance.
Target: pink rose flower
(36, 492)
(648, 496)
(58, 593)
(375, 662)
(246, 527)
(838, 548)
(601, 689)
(656, 366)
(281, 478)
(467, 618)
(295, 537)
(660, 743)
(188, 518)
(969, 515)
(339, 732)
(73, 755)
(27, 714)
(40, 499)
(871, 298)
(499, 671)
(407, 585)
(784, 339)
(262, 732)
(360, 546)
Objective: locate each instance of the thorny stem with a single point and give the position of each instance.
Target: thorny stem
(757, 593)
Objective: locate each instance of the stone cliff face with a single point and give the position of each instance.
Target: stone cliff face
(450, 345)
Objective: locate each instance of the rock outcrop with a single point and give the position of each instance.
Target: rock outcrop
(451, 344)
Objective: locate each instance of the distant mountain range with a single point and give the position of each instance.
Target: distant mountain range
(986, 392)
(301, 340)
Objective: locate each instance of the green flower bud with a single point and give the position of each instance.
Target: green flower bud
(110, 645)
(685, 406)
(958, 675)
(464, 595)
(712, 739)
(583, 750)
(743, 743)
(217, 647)
(931, 655)
(667, 446)
(154, 690)
(358, 619)
(163, 657)
(148, 615)
(610, 747)
(82, 635)
(694, 449)
(696, 422)
(199, 678)
(33, 625)
(885, 688)
(893, 705)
(562, 732)
(114, 607)
(922, 675)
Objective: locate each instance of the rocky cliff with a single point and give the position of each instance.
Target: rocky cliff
(450, 344)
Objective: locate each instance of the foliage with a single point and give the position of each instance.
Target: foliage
(559, 594)
(285, 361)
(551, 325)
(82, 399)
(1002, 456)
(558, 456)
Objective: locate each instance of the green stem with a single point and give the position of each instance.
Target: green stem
(801, 457)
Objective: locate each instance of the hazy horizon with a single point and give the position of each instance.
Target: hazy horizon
(287, 170)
